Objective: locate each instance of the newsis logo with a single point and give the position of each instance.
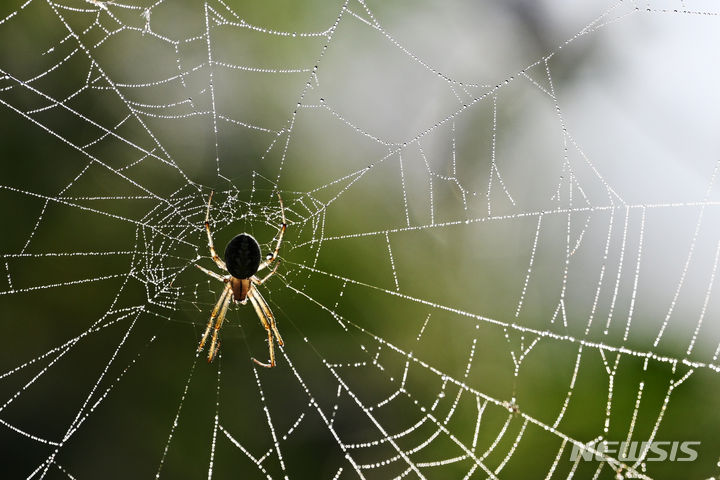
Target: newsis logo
(636, 450)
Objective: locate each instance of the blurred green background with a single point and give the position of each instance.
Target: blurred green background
(502, 237)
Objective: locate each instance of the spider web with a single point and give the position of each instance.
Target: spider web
(502, 242)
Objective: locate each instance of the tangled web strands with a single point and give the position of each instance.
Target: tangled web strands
(501, 253)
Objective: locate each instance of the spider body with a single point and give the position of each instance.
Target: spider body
(242, 262)
(242, 256)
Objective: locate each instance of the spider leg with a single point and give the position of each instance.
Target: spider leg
(215, 344)
(264, 320)
(223, 298)
(211, 273)
(218, 261)
(260, 281)
(274, 254)
(268, 314)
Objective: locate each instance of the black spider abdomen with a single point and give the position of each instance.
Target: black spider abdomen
(242, 256)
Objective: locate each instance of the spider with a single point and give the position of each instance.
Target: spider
(242, 262)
